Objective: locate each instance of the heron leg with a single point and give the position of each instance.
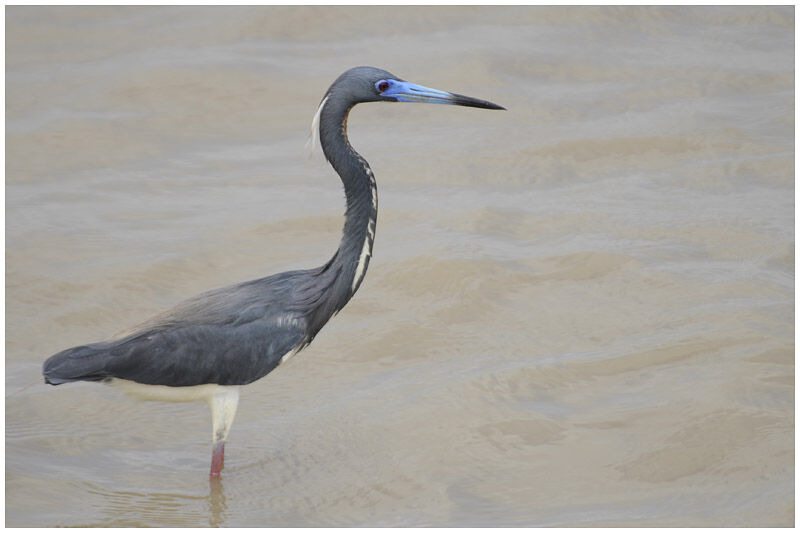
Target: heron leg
(223, 404)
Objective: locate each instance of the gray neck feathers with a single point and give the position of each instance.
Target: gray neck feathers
(352, 257)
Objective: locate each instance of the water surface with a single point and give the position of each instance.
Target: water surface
(579, 311)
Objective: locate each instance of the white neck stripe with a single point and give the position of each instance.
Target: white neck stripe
(313, 139)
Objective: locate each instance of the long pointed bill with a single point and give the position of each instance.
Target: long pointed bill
(405, 91)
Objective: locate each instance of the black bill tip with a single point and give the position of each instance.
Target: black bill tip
(468, 101)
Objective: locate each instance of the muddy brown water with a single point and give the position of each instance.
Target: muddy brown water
(579, 311)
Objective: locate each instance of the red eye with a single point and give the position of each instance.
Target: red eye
(382, 86)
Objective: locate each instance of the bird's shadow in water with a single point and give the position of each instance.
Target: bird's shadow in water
(216, 502)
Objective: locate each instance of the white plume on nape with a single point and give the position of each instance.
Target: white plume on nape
(313, 139)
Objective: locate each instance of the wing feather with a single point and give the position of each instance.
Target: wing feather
(229, 336)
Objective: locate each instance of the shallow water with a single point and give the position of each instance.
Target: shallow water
(579, 311)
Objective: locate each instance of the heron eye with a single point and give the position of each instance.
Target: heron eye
(383, 85)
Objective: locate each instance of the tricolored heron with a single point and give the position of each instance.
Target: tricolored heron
(206, 347)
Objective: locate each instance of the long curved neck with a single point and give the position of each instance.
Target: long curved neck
(355, 248)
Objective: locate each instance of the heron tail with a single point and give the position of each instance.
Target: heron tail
(81, 363)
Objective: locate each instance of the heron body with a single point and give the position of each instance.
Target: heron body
(206, 347)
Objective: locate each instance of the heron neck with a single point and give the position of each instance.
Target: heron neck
(355, 248)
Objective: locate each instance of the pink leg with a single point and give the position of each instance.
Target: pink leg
(217, 459)
(223, 404)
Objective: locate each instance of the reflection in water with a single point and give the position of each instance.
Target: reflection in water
(216, 502)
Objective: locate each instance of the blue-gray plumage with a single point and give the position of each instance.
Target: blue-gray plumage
(207, 346)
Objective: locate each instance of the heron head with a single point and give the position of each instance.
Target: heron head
(369, 84)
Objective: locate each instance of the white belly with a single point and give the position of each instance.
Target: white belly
(164, 393)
